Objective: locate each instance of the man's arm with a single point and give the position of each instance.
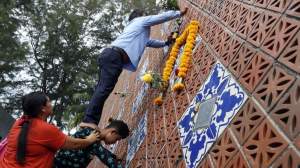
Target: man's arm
(152, 20)
(159, 43)
(156, 43)
(163, 17)
(108, 158)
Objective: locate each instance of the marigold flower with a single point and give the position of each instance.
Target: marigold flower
(188, 37)
(147, 78)
(181, 74)
(178, 87)
(184, 69)
(194, 22)
(158, 101)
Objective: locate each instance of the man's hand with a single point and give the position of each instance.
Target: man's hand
(183, 11)
(171, 38)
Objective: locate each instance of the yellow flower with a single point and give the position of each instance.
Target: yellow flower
(191, 39)
(194, 35)
(178, 87)
(183, 64)
(183, 69)
(181, 74)
(194, 22)
(147, 78)
(188, 50)
(176, 50)
(193, 27)
(189, 45)
(158, 101)
(169, 67)
(187, 37)
(178, 40)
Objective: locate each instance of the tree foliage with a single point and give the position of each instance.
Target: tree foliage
(65, 37)
(12, 53)
(52, 46)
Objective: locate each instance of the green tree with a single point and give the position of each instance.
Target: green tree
(168, 4)
(65, 38)
(12, 54)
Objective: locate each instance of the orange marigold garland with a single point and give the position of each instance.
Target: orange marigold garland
(188, 37)
(172, 58)
(186, 57)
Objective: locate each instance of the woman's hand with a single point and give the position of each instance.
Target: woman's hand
(94, 136)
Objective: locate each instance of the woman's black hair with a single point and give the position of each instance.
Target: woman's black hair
(135, 13)
(120, 126)
(32, 104)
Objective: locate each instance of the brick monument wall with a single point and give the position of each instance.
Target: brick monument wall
(258, 44)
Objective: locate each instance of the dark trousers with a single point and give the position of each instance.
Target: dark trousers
(110, 67)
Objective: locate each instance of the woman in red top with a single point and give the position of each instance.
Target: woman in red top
(32, 142)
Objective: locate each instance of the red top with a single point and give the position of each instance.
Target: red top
(43, 140)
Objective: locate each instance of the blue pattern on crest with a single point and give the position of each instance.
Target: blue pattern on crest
(136, 139)
(185, 122)
(230, 98)
(211, 131)
(227, 106)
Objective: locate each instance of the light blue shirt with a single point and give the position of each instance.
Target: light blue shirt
(135, 36)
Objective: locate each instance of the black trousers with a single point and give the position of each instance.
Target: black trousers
(110, 67)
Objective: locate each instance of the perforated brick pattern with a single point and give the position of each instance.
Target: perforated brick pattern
(258, 41)
(273, 86)
(288, 159)
(223, 150)
(286, 113)
(264, 145)
(255, 70)
(246, 121)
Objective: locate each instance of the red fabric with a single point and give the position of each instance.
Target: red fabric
(3, 144)
(43, 140)
(23, 119)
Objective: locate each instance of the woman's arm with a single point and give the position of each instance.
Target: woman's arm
(78, 143)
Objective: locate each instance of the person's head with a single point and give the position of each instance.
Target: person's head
(115, 131)
(34, 105)
(135, 13)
